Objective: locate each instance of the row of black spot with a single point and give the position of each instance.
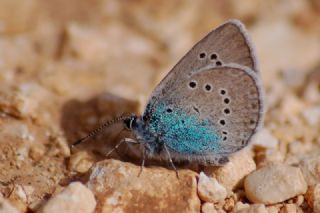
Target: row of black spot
(213, 57)
(226, 100)
(193, 85)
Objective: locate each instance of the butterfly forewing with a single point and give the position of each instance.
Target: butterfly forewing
(227, 44)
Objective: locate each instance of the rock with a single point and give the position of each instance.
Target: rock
(310, 167)
(290, 208)
(24, 20)
(208, 208)
(229, 204)
(210, 190)
(6, 207)
(265, 139)
(297, 147)
(247, 10)
(74, 198)
(273, 209)
(231, 175)
(274, 183)
(268, 156)
(239, 206)
(312, 115)
(255, 208)
(15, 104)
(81, 161)
(118, 188)
(284, 34)
(313, 197)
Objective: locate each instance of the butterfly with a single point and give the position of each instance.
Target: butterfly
(207, 107)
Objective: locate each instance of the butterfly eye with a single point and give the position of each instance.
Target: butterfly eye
(202, 55)
(169, 110)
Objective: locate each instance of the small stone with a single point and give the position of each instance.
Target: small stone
(274, 183)
(232, 174)
(6, 207)
(290, 208)
(312, 115)
(210, 190)
(313, 197)
(229, 204)
(299, 200)
(239, 206)
(310, 167)
(269, 156)
(265, 139)
(273, 209)
(297, 147)
(81, 161)
(36, 152)
(119, 188)
(255, 208)
(208, 208)
(74, 198)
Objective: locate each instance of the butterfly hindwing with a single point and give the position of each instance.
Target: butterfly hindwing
(206, 115)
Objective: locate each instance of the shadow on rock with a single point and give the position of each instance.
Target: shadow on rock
(81, 117)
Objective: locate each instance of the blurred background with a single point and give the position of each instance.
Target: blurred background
(59, 59)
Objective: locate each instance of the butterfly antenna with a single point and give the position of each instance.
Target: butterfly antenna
(99, 129)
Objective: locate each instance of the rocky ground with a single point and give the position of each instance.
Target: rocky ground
(68, 66)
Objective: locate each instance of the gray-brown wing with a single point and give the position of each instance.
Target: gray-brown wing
(229, 97)
(227, 44)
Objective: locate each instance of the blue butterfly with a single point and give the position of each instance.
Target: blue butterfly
(207, 107)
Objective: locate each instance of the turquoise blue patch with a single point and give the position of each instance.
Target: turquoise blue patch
(182, 132)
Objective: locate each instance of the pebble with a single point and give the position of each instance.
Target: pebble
(274, 183)
(6, 207)
(290, 208)
(255, 208)
(310, 167)
(232, 174)
(208, 208)
(313, 197)
(265, 139)
(273, 209)
(74, 198)
(119, 188)
(312, 115)
(81, 161)
(239, 206)
(269, 156)
(210, 190)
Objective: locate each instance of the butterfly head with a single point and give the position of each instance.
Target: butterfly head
(130, 122)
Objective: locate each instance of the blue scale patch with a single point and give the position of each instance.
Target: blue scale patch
(182, 132)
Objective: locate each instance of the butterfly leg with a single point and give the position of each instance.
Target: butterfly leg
(170, 160)
(144, 153)
(125, 140)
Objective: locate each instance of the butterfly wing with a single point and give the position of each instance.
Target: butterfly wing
(210, 114)
(227, 44)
